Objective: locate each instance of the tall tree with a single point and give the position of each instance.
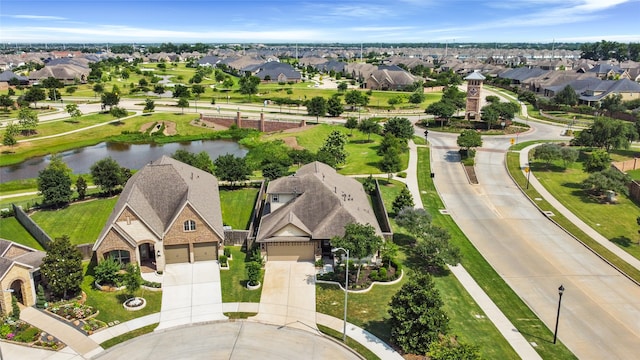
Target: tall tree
(317, 107)
(35, 94)
(107, 174)
(74, 111)
(98, 89)
(469, 139)
(332, 151)
(53, 85)
(183, 103)
(566, 96)
(28, 120)
(334, 106)
(403, 200)
(9, 137)
(369, 126)
(400, 127)
(351, 123)
(249, 85)
(416, 315)
(490, 115)
(390, 162)
(62, 268)
(6, 101)
(361, 241)
(231, 168)
(149, 106)
(54, 183)
(441, 109)
(81, 187)
(110, 99)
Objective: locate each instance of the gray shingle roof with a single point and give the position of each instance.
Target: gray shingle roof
(31, 258)
(326, 203)
(160, 190)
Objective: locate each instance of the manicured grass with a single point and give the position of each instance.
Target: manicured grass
(513, 164)
(362, 157)
(234, 280)
(82, 222)
(64, 125)
(110, 303)
(615, 222)
(128, 336)
(10, 229)
(237, 205)
(527, 323)
(26, 201)
(354, 345)
(16, 186)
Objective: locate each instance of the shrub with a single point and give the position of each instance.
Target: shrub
(374, 275)
(319, 263)
(256, 257)
(382, 274)
(29, 335)
(151, 284)
(106, 272)
(227, 252)
(223, 260)
(253, 272)
(40, 299)
(15, 309)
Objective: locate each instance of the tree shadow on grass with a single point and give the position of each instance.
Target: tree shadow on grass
(531, 336)
(380, 328)
(622, 241)
(403, 240)
(586, 197)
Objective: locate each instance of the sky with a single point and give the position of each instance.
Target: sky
(318, 21)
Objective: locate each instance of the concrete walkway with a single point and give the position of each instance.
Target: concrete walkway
(533, 181)
(491, 310)
(74, 339)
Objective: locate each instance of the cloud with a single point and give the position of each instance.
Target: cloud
(37, 17)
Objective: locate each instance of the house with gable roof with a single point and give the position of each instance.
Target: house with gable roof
(169, 212)
(302, 212)
(19, 274)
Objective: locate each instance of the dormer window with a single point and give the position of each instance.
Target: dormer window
(189, 225)
(274, 198)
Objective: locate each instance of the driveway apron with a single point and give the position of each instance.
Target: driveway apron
(191, 294)
(288, 295)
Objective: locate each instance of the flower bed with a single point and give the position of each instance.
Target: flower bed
(78, 315)
(23, 333)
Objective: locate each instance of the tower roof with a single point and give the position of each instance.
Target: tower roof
(475, 76)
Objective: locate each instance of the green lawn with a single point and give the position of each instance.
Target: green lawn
(511, 305)
(128, 336)
(362, 158)
(237, 206)
(82, 222)
(10, 229)
(233, 281)
(354, 345)
(615, 222)
(110, 303)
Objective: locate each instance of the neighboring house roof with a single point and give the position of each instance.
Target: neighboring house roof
(8, 75)
(209, 60)
(160, 190)
(63, 72)
(275, 69)
(324, 203)
(594, 89)
(392, 76)
(12, 253)
(522, 74)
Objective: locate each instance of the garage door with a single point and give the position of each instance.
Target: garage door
(205, 251)
(176, 253)
(291, 251)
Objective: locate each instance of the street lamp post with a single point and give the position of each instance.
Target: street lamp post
(555, 333)
(346, 291)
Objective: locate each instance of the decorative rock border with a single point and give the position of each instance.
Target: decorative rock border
(254, 287)
(370, 286)
(144, 303)
(108, 288)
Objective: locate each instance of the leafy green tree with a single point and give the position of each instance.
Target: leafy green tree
(342, 86)
(198, 90)
(110, 99)
(107, 174)
(183, 103)
(118, 112)
(228, 83)
(390, 162)
(81, 187)
(149, 106)
(181, 91)
(441, 109)
(568, 155)
(35, 94)
(492, 99)
(201, 160)
(403, 200)
(609, 179)
(369, 126)
(547, 152)
(158, 89)
(450, 348)
(249, 85)
(566, 96)
(416, 221)
(506, 110)
(73, 111)
(417, 97)
(9, 137)
(332, 151)
(272, 170)
(54, 183)
(53, 85)
(317, 107)
(97, 89)
(132, 279)
(28, 120)
(469, 139)
(253, 272)
(361, 241)
(351, 123)
(40, 297)
(106, 272)
(6, 101)
(433, 251)
(416, 315)
(455, 97)
(355, 97)
(15, 309)
(391, 143)
(400, 127)
(334, 106)
(231, 168)
(62, 268)
(597, 160)
(490, 115)
(301, 156)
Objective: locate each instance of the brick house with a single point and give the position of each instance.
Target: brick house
(19, 274)
(169, 212)
(304, 211)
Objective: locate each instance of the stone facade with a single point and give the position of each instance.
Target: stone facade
(21, 274)
(115, 241)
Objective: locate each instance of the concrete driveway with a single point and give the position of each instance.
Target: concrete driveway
(229, 340)
(288, 295)
(191, 294)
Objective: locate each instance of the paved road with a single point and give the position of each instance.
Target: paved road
(229, 340)
(600, 309)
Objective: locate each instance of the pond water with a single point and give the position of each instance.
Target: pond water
(127, 155)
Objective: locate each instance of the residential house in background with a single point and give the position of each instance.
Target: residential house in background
(19, 274)
(169, 212)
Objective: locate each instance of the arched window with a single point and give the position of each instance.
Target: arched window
(189, 225)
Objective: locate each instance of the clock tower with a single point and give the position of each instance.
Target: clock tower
(474, 87)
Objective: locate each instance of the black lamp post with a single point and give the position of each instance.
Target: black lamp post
(555, 333)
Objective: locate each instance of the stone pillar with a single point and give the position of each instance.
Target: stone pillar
(238, 120)
(261, 121)
(303, 123)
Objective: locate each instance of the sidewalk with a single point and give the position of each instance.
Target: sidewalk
(491, 310)
(524, 156)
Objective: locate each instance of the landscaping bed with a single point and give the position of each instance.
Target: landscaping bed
(23, 333)
(77, 314)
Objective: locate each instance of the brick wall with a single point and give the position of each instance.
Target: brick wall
(114, 241)
(263, 124)
(203, 233)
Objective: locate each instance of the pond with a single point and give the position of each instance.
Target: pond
(127, 155)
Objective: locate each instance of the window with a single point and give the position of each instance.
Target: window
(121, 256)
(189, 225)
(274, 198)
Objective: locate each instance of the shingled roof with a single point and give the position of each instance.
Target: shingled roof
(324, 204)
(160, 190)
(12, 253)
